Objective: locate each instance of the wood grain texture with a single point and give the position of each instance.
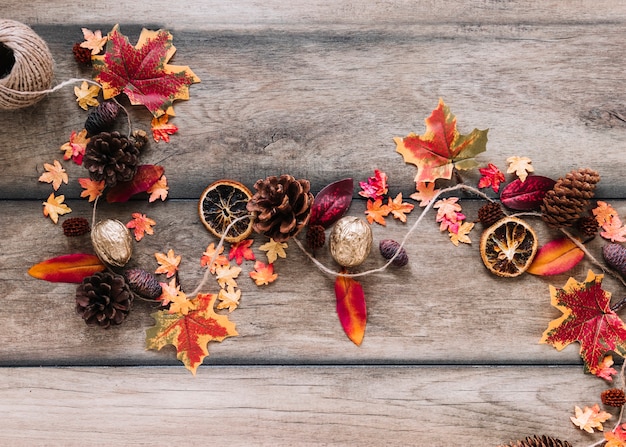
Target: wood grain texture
(316, 89)
(285, 406)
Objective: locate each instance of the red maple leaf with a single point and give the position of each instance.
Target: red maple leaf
(241, 250)
(190, 333)
(142, 71)
(442, 148)
(491, 176)
(587, 318)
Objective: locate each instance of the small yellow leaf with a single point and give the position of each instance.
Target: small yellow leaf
(54, 174)
(520, 165)
(86, 95)
(54, 206)
(274, 250)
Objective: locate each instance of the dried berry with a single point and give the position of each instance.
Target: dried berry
(82, 55)
(315, 237)
(389, 247)
(75, 226)
(615, 257)
(143, 283)
(539, 441)
(613, 397)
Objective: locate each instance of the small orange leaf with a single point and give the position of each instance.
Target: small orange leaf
(351, 308)
(142, 225)
(159, 190)
(67, 268)
(376, 211)
(556, 257)
(91, 188)
(161, 129)
(263, 274)
(168, 264)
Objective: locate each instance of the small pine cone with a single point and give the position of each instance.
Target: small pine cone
(82, 55)
(588, 226)
(613, 397)
(102, 118)
(139, 138)
(564, 204)
(539, 441)
(615, 256)
(75, 226)
(490, 213)
(103, 299)
(389, 247)
(143, 283)
(111, 157)
(315, 237)
(281, 206)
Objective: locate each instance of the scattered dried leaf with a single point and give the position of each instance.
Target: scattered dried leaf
(75, 148)
(274, 250)
(263, 274)
(399, 209)
(590, 418)
(241, 250)
(229, 298)
(54, 207)
(93, 40)
(92, 188)
(159, 190)
(142, 225)
(425, 193)
(376, 211)
(55, 174)
(491, 176)
(87, 95)
(168, 264)
(161, 129)
(375, 187)
(521, 166)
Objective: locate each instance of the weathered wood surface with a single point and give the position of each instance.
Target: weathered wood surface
(317, 90)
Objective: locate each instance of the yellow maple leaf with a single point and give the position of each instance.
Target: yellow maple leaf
(86, 95)
(520, 165)
(93, 40)
(398, 208)
(462, 234)
(168, 264)
(263, 274)
(92, 188)
(180, 304)
(54, 206)
(229, 298)
(590, 418)
(274, 250)
(55, 174)
(226, 275)
(425, 192)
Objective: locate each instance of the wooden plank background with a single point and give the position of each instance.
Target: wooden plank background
(317, 89)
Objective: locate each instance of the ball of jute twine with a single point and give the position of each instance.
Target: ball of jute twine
(27, 66)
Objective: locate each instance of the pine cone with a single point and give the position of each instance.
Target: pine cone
(615, 256)
(82, 55)
(539, 441)
(111, 157)
(139, 138)
(143, 283)
(490, 213)
(102, 118)
(75, 226)
(103, 299)
(564, 204)
(588, 226)
(281, 205)
(315, 237)
(613, 397)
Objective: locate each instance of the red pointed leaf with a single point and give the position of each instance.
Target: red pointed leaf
(67, 268)
(526, 195)
(556, 257)
(351, 308)
(146, 176)
(331, 203)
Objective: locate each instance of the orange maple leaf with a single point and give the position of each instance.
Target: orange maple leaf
(93, 40)
(161, 129)
(604, 213)
(398, 208)
(54, 206)
(425, 193)
(605, 370)
(142, 225)
(376, 211)
(92, 188)
(208, 254)
(617, 437)
(159, 190)
(615, 231)
(590, 418)
(241, 250)
(263, 274)
(75, 148)
(168, 264)
(55, 174)
(190, 333)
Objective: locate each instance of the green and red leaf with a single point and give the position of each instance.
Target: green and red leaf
(588, 319)
(331, 203)
(351, 308)
(142, 71)
(556, 257)
(146, 176)
(442, 148)
(71, 268)
(191, 333)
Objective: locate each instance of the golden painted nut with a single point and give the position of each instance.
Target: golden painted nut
(350, 241)
(508, 247)
(112, 242)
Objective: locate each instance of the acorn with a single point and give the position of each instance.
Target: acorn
(112, 242)
(615, 256)
(350, 241)
(389, 247)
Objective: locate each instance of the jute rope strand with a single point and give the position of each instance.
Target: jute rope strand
(30, 78)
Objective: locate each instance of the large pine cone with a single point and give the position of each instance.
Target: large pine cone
(103, 299)
(281, 205)
(568, 200)
(539, 441)
(111, 157)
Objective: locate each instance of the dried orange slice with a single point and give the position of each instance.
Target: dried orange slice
(220, 204)
(508, 247)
